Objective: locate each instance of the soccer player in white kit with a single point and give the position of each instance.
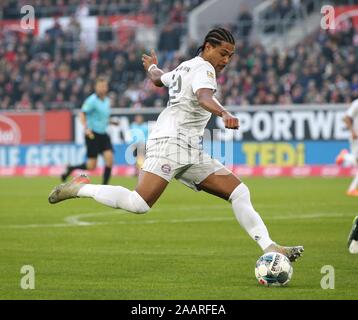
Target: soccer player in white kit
(346, 158)
(174, 148)
(350, 159)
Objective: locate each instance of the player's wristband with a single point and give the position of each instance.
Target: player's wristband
(152, 66)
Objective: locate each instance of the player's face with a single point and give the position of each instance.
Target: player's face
(220, 55)
(101, 88)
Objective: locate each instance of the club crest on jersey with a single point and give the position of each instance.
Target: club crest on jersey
(210, 74)
(166, 168)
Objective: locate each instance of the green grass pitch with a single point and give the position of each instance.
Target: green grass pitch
(189, 246)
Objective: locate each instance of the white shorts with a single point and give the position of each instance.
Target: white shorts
(174, 158)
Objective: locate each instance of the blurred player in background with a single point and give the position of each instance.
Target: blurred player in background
(350, 159)
(353, 237)
(174, 148)
(95, 118)
(139, 132)
(346, 158)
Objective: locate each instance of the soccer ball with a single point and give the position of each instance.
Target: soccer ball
(273, 269)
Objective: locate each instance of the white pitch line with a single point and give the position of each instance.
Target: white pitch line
(73, 221)
(209, 219)
(29, 226)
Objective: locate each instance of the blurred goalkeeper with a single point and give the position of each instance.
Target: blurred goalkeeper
(95, 118)
(346, 158)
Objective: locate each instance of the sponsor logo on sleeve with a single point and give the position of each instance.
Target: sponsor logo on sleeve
(210, 74)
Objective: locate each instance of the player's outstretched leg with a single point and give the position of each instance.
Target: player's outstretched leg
(353, 237)
(251, 221)
(292, 253)
(112, 196)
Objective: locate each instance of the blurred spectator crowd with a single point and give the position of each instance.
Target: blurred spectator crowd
(279, 15)
(57, 71)
(321, 69)
(159, 9)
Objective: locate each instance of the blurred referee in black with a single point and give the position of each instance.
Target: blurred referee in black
(95, 118)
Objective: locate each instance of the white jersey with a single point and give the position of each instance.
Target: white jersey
(352, 112)
(183, 115)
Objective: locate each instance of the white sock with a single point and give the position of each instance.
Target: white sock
(354, 184)
(248, 218)
(353, 248)
(115, 197)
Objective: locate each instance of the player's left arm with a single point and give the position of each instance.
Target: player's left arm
(150, 64)
(208, 101)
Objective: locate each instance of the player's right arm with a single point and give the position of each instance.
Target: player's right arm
(150, 64)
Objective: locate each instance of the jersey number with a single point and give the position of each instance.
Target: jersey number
(175, 88)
